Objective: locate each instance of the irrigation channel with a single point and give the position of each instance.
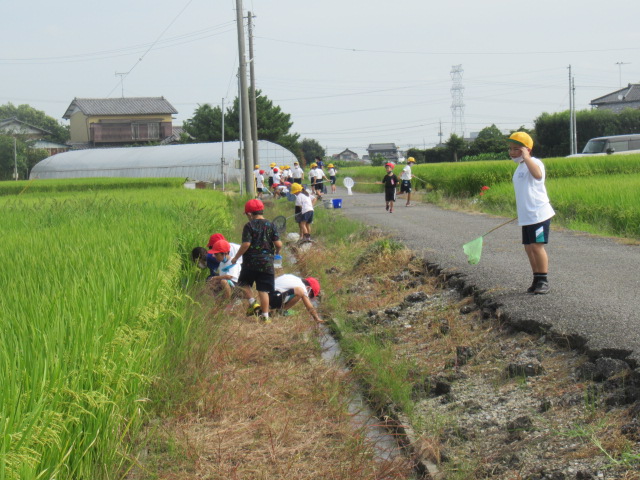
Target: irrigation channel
(383, 439)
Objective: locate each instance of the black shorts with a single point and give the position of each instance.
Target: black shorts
(536, 233)
(390, 195)
(278, 299)
(405, 186)
(305, 217)
(264, 281)
(332, 179)
(270, 181)
(317, 185)
(297, 180)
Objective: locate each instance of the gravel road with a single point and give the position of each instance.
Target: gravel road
(595, 282)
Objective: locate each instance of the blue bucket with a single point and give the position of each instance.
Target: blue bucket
(337, 203)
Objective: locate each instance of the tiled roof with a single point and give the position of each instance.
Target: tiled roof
(631, 93)
(121, 106)
(382, 146)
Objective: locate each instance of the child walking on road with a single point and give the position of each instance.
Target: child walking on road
(405, 177)
(534, 208)
(260, 242)
(390, 182)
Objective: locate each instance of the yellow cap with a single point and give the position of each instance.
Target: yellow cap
(313, 165)
(272, 164)
(256, 166)
(411, 159)
(521, 138)
(296, 188)
(330, 165)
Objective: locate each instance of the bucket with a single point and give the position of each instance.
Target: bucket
(327, 204)
(337, 203)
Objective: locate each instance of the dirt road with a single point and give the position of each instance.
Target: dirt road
(595, 282)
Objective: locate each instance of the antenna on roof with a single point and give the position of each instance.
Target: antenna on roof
(122, 75)
(620, 70)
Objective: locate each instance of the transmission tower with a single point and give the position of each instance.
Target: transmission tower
(457, 104)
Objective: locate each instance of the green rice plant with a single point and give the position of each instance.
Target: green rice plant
(92, 306)
(82, 184)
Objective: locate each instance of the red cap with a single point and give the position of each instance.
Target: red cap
(314, 284)
(389, 164)
(214, 238)
(261, 172)
(275, 170)
(254, 205)
(221, 246)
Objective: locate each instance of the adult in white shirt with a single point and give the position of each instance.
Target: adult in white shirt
(290, 289)
(405, 180)
(534, 208)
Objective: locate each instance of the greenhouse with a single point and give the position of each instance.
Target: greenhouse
(196, 161)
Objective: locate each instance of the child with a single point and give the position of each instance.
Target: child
(297, 173)
(332, 177)
(227, 272)
(270, 181)
(260, 241)
(534, 208)
(260, 183)
(303, 210)
(290, 289)
(405, 186)
(312, 176)
(390, 182)
(319, 183)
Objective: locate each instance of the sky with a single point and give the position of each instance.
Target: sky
(349, 72)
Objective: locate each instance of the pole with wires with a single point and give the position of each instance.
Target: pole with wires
(244, 104)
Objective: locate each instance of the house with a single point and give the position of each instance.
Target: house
(347, 155)
(14, 127)
(387, 150)
(627, 97)
(106, 122)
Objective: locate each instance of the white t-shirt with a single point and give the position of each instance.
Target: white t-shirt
(259, 181)
(304, 202)
(319, 174)
(312, 173)
(332, 172)
(235, 270)
(287, 281)
(532, 200)
(406, 173)
(276, 177)
(297, 172)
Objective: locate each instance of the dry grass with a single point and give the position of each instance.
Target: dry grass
(265, 406)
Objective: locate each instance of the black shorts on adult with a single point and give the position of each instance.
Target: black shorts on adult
(405, 186)
(390, 195)
(536, 233)
(264, 281)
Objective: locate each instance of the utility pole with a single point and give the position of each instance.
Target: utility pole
(15, 160)
(575, 121)
(122, 75)
(246, 126)
(252, 95)
(440, 133)
(572, 148)
(620, 71)
(222, 165)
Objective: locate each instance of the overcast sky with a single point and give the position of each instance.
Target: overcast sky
(350, 72)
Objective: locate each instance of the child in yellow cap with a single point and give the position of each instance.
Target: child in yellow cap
(534, 208)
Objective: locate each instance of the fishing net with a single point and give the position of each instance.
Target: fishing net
(280, 222)
(473, 249)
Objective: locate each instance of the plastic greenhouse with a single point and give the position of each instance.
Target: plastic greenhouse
(196, 161)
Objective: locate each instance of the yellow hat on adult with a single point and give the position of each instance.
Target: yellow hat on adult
(522, 138)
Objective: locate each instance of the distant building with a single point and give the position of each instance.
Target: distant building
(34, 136)
(387, 150)
(627, 97)
(110, 122)
(347, 155)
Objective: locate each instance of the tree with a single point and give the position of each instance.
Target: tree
(311, 149)
(273, 123)
(378, 160)
(8, 160)
(37, 118)
(456, 146)
(489, 140)
(206, 124)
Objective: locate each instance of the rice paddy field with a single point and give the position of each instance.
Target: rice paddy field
(595, 194)
(92, 307)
